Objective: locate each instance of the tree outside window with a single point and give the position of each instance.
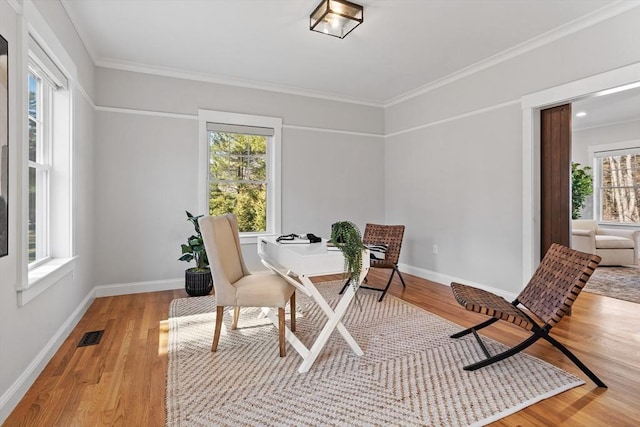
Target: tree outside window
(620, 188)
(238, 178)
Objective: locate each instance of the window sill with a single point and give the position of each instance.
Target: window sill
(252, 238)
(43, 277)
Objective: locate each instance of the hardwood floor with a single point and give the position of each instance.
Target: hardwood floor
(121, 381)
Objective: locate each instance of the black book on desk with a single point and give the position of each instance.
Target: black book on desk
(298, 239)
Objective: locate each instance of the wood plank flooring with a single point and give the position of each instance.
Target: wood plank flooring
(121, 381)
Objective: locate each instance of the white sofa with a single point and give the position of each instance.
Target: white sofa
(614, 246)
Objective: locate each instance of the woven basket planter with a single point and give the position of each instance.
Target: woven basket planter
(198, 283)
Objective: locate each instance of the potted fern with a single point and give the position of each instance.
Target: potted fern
(197, 280)
(346, 237)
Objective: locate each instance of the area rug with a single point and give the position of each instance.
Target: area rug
(410, 374)
(616, 282)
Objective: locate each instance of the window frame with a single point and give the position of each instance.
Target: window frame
(41, 46)
(596, 153)
(273, 160)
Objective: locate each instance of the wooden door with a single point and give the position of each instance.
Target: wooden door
(555, 178)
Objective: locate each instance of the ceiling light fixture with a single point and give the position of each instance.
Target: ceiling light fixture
(581, 114)
(336, 17)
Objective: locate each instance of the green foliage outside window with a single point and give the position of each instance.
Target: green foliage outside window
(238, 178)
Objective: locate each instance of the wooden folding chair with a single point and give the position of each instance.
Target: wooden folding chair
(389, 237)
(554, 287)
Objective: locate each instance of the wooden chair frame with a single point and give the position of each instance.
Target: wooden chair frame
(549, 295)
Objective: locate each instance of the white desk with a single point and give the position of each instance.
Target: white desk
(305, 261)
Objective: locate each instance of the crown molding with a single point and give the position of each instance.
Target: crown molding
(551, 36)
(84, 38)
(564, 30)
(228, 81)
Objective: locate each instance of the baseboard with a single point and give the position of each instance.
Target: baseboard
(10, 399)
(446, 280)
(138, 287)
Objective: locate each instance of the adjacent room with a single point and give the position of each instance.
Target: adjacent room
(319, 212)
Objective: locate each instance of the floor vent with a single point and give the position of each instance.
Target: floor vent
(91, 338)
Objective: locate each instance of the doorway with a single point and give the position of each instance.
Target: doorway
(620, 79)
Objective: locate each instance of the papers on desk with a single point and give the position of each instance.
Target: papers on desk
(295, 241)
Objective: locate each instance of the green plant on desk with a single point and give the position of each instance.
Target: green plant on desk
(346, 237)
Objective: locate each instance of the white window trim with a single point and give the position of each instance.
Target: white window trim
(44, 276)
(61, 263)
(593, 152)
(274, 214)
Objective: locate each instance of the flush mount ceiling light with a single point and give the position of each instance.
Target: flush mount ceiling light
(336, 17)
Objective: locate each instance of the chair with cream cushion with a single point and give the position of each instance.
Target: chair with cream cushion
(235, 285)
(614, 246)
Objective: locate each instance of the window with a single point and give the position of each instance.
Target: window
(242, 170)
(618, 185)
(48, 222)
(39, 124)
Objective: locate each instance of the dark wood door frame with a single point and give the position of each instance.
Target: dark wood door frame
(555, 177)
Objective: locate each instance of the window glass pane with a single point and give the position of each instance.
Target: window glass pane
(237, 176)
(34, 99)
(620, 189)
(32, 214)
(33, 138)
(34, 88)
(247, 201)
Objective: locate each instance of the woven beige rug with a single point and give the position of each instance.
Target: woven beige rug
(410, 375)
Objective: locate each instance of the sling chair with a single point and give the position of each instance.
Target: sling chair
(555, 285)
(384, 243)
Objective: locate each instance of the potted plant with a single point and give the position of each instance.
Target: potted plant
(581, 187)
(197, 280)
(346, 237)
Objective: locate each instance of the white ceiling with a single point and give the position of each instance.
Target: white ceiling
(617, 107)
(402, 46)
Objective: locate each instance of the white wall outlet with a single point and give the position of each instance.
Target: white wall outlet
(435, 249)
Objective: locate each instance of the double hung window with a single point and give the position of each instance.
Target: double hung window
(48, 222)
(242, 176)
(618, 186)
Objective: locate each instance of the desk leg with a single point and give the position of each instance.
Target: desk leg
(333, 322)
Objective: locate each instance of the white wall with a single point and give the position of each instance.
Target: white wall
(30, 334)
(146, 176)
(462, 143)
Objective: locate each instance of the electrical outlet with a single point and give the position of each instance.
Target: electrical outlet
(435, 249)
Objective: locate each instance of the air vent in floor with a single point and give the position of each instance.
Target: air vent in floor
(91, 338)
